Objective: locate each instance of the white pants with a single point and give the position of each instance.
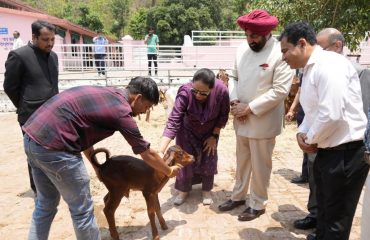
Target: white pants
(254, 165)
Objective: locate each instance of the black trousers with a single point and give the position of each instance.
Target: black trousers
(312, 201)
(152, 57)
(340, 173)
(100, 63)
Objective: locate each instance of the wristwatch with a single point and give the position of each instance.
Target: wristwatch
(215, 135)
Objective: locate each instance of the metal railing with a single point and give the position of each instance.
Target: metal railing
(217, 37)
(81, 57)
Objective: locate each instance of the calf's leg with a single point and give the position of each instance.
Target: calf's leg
(150, 205)
(159, 213)
(112, 200)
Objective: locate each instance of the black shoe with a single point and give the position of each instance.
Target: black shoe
(299, 180)
(311, 236)
(305, 223)
(249, 214)
(230, 204)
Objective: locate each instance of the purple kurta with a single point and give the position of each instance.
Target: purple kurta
(192, 122)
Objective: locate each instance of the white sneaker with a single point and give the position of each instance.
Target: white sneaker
(180, 198)
(207, 198)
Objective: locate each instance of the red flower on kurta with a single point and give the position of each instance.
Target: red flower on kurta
(264, 66)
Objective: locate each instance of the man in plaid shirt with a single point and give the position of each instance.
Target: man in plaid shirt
(72, 122)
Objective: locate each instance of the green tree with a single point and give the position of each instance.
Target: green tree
(137, 27)
(120, 10)
(351, 17)
(89, 20)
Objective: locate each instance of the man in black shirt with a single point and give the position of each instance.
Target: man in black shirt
(31, 74)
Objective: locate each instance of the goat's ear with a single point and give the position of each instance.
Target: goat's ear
(169, 157)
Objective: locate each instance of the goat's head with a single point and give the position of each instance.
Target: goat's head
(176, 156)
(223, 75)
(162, 94)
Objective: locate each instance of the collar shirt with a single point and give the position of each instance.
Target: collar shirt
(79, 117)
(100, 43)
(17, 43)
(331, 99)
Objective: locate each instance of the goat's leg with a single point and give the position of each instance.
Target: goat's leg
(159, 213)
(150, 205)
(147, 115)
(111, 204)
(106, 197)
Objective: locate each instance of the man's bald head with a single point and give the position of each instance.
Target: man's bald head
(331, 39)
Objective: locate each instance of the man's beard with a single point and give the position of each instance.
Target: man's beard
(256, 47)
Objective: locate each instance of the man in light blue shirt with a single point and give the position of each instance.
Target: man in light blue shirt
(152, 41)
(100, 52)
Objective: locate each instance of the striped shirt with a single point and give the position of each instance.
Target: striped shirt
(77, 118)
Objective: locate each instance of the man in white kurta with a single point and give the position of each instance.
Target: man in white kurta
(333, 126)
(17, 43)
(262, 82)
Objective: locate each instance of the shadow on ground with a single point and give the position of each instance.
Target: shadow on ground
(288, 174)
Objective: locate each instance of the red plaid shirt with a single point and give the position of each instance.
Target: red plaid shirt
(79, 117)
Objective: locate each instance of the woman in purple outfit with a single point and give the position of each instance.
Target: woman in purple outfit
(201, 109)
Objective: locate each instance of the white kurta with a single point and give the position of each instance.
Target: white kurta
(263, 81)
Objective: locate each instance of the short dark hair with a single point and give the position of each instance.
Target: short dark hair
(38, 25)
(297, 30)
(146, 87)
(206, 76)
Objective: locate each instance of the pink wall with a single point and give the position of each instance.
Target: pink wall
(23, 25)
(20, 23)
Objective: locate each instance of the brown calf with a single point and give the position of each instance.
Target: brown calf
(122, 173)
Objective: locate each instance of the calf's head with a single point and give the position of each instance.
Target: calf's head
(176, 156)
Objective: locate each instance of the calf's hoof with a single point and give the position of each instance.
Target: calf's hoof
(114, 235)
(156, 237)
(164, 227)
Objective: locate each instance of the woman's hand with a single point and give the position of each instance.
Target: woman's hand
(210, 145)
(289, 116)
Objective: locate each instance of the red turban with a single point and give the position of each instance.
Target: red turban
(258, 22)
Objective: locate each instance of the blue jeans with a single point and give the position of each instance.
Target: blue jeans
(58, 173)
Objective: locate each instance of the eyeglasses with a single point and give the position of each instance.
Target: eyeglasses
(326, 48)
(204, 94)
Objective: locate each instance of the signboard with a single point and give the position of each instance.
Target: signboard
(3, 30)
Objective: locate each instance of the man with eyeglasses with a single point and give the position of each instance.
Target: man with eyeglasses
(333, 127)
(330, 39)
(257, 99)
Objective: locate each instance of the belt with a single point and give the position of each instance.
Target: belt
(367, 157)
(346, 146)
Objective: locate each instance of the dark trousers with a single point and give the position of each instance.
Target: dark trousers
(312, 201)
(304, 173)
(340, 174)
(32, 183)
(100, 63)
(152, 57)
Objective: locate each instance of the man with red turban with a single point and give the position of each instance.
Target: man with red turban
(262, 82)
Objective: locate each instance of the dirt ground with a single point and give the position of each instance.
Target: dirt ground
(191, 220)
